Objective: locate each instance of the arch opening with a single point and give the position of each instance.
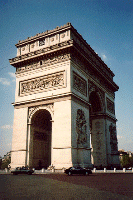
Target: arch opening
(95, 102)
(40, 145)
(95, 107)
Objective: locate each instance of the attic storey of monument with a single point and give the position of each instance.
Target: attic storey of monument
(61, 78)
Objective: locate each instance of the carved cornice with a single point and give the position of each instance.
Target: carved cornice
(47, 61)
(94, 59)
(44, 100)
(52, 99)
(104, 116)
(44, 34)
(41, 52)
(78, 48)
(85, 46)
(95, 68)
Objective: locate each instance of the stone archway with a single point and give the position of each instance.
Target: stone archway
(40, 142)
(95, 102)
(96, 106)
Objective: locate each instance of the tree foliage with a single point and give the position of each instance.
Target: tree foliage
(127, 161)
(5, 163)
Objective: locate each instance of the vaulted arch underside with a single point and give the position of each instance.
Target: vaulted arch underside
(40, 145)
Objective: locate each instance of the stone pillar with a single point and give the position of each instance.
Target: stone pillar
(98, 141)
(28, 144)
(52, 142)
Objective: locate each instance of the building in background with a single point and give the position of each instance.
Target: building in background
(122, 152)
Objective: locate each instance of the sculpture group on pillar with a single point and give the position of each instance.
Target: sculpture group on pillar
(81, 127)
(113, 138)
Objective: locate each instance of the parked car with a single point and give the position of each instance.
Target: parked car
(77, 170)
(129, 168)
(22, 170)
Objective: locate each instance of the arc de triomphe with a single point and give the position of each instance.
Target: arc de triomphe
(64, 94)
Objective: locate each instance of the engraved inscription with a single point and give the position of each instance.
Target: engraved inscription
(79, 84)
(42, 83)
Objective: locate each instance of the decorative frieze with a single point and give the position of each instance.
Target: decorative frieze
(43, 83)
(110, 106)
(95, 60)
(44, 34)
(79, 84)
(32, 46)
(82, 64)
(23, 48)
(47, 61)
(52, 39)
(40, 51)
(62, 35)
(41, 42)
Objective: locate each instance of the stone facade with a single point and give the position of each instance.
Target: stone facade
(64, 94)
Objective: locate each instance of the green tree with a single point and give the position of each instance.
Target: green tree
(5, 163)
(131, 161)
(125, 162)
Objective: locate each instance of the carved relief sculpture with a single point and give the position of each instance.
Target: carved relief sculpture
(113, 138)
(110, 106)
(79, 84)
(81, 127)
(42, 83)
(47, 62)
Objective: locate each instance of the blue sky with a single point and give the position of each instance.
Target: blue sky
(107, 25)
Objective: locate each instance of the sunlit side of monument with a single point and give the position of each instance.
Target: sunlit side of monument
(64, 94)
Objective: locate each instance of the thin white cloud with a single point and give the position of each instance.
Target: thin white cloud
(9, 144)
(6, 127)
(12, 74)
(104, 57)
(119, 136)
(4, 81)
